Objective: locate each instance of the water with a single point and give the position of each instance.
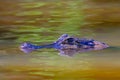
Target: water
(42, 22)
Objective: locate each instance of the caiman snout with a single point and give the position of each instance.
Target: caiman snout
(99, 45)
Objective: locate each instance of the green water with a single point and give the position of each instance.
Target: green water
(42, 22)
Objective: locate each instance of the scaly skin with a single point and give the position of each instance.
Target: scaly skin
(67, 45)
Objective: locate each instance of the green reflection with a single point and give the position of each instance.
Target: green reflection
(72, 24)
(44, 22)
(59, 19)
(29, 13)
(33, 4)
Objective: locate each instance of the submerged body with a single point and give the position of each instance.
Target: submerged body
(67, 45)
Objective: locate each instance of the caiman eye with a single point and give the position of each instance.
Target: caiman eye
(70, 40)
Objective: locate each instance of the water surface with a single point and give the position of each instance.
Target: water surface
(42, 22)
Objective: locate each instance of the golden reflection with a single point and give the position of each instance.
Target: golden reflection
(43, 21)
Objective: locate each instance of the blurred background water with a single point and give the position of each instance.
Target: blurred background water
(42, 22)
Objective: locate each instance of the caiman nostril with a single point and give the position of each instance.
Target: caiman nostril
(106, 46)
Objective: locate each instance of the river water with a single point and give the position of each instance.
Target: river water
(42, 22)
